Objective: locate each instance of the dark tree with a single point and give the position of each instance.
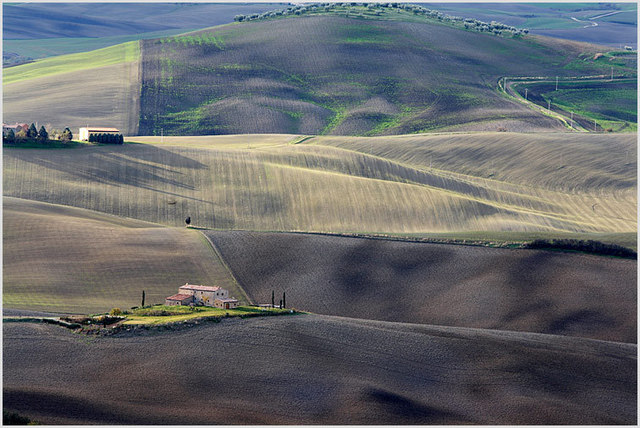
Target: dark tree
(32, 132)
(10, 137)
(280, 303)
(142, 299)
(120, 139)
(43, 135)
(67, 135)
(187, 221)
(273, 299)
(284, 299)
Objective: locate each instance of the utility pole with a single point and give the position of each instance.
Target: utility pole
(549, 105)
(612, 73)
(526, 90)
(556, 83)
(595, 125)
(162, 135)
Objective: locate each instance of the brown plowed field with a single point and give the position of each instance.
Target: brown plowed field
(310, 369)
(525, 290)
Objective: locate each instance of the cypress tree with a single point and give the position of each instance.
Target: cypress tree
(273, 299)
(142, 299)
(11, 137)
(284, 299)
(32, 133)
(43, 135)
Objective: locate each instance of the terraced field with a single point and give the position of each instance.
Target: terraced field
(63, 259)
(54, 91)
(311, 369)
(380, 185)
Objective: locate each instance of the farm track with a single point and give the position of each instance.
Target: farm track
(311, 369)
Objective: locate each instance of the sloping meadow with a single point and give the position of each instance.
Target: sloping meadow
(329, 74)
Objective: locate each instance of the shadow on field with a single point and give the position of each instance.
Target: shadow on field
(143, 166)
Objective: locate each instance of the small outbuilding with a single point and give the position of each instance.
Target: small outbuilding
(179, 300)
(225, 303)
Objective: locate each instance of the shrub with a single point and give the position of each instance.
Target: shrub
(589, 246)
(115, 312)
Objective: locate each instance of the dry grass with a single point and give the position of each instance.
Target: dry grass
(64, 259)
(72, 96)
(326, 184)
(311, 369)
(524, 290)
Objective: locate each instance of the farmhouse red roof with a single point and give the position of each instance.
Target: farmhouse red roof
(180, 297)
(199, 287)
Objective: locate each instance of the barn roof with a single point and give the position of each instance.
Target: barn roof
(199, 287)
(180, 297)
(226, 300)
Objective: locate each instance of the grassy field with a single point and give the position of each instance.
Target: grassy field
(329, 74)
(524, 290)
(122, 53)
(428, 184)
(64, 259)
(147, 316)
(612, 104)
(313, 369)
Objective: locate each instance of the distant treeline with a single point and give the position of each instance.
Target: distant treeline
(24, 134)
(377, 8)
(595, 247)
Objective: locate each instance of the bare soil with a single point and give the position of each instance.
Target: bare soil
(524, 290)
(313, 369)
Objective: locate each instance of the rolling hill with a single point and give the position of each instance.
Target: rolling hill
(97, 87)
(409, 185)
(311, 369)
(423, 283)
(63, 259)
(348, 71)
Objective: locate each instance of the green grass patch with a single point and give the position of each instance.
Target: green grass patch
(161, 314)
(125, 52)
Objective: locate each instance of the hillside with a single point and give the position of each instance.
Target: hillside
(455, 285)
(349, 71)
(311, 369)
(267, 183)
(358, 75)
(63, 259)
(54, 91)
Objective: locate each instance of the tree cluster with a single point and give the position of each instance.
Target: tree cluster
(32, 135)
(106, 138)
(469, 23)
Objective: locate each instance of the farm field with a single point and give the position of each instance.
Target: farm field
(327, 74)
(317, 369)
(612, 104)
(423, 283)
(54, 92)
(63, 259)
(382, 185)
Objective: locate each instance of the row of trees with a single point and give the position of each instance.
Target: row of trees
(106, 138)
(470, 24)
(30, 134)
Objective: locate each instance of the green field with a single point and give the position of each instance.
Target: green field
(125, 52)
(147, 316)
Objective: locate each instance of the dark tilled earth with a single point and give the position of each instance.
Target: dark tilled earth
(309, 369)
(523, 290)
